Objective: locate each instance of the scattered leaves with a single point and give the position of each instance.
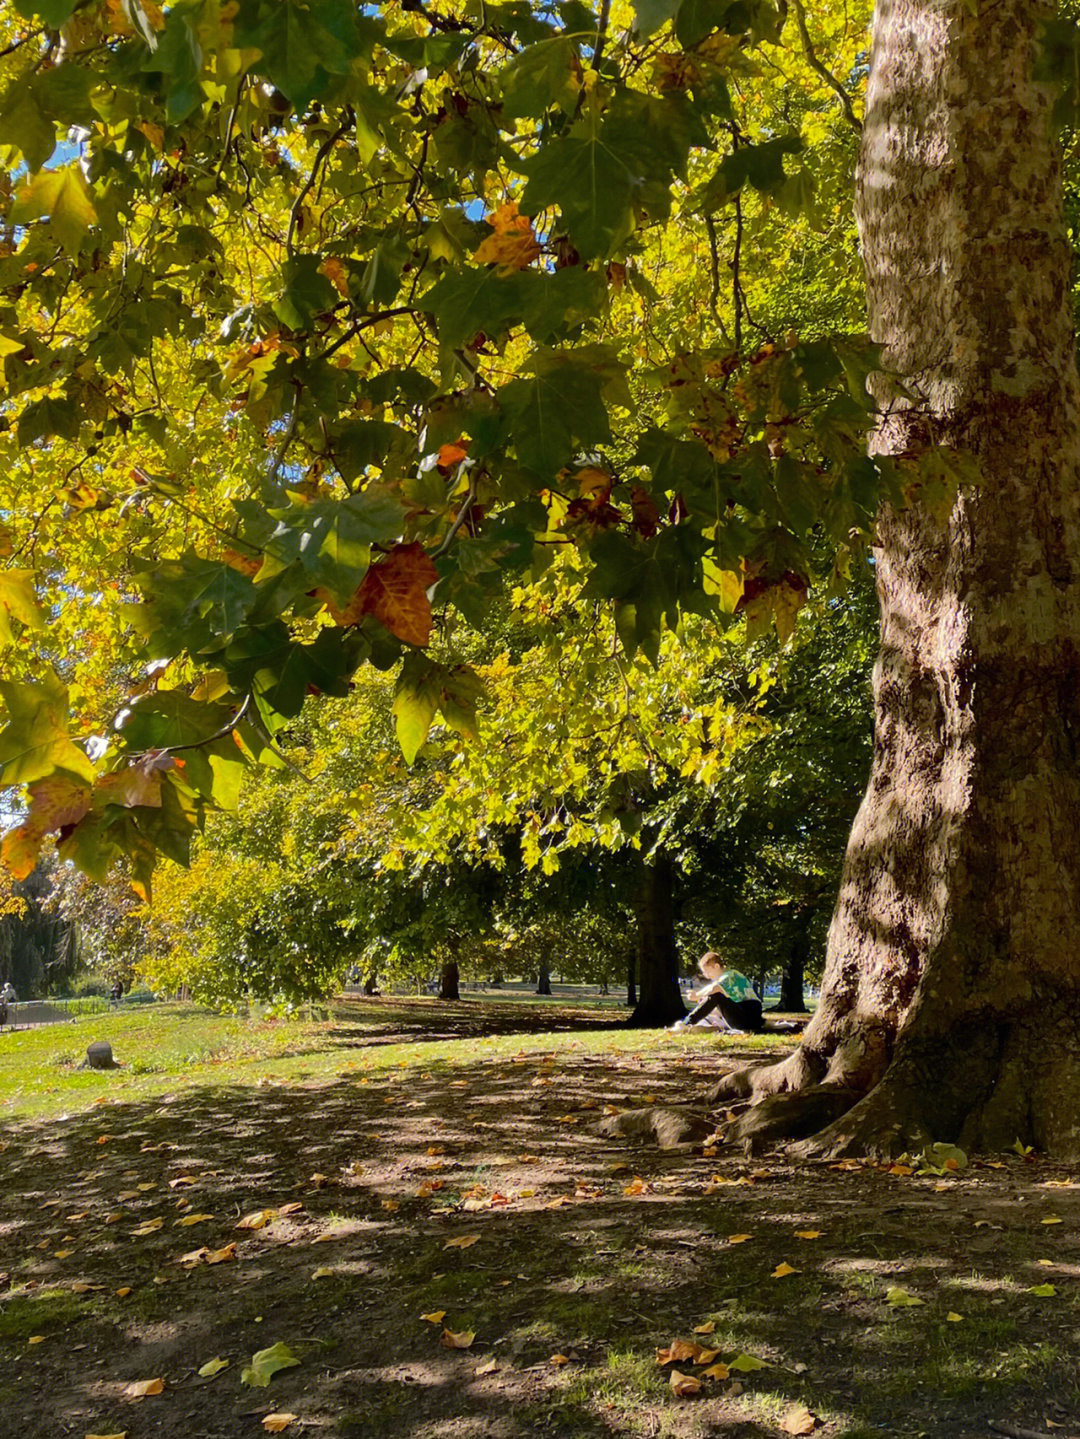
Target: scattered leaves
(265, 1363)
(783, 1269)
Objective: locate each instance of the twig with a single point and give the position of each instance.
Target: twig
(459, 519)
(714, 275)
(1013, 1431)
(601, 33)
(823, 70)
(305, 190)
(226, 729)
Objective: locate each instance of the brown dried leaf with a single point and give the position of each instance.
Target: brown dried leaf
(684, 1385)
(141, 1387)
(798, 1420)
(461, 1339)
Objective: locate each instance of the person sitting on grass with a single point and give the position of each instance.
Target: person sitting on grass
(726, 1001)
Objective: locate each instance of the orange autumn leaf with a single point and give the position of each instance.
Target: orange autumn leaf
(275, 1423)
(513, 246)
(394, 590)
(783, 1270)
(680, 1351)
(684, 1385)
(717, 1371)
(462, 1339)
(258, 1219)
(337, 274)
(452, 454)
(463, 1241)
(141, 1387)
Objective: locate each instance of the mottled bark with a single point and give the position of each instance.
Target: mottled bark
(659, 1000)
(950, 998)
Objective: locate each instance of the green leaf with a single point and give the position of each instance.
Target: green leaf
(901, 1299)
(649, 15)
(465, 302)
(590, 183)
(54, 12)
(212, 1367)
(35, 743)
(64, 197)
(332, 538)
(554, 412)
(1043, 1291)
(18, 601)
(747, 1364)
(416, 701)
(303, 43)
(761, 166)
(540, 76)
(305, 294)
(265, 1363)
(24, 123)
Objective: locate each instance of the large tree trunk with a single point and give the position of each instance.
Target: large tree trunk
(449, 982)
(950, 1000)
(659, 999)
(631, 978)
(543, 980)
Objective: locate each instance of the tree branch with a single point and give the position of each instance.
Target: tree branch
(823, 70)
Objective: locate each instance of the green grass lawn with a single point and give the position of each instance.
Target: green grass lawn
(169, 1046)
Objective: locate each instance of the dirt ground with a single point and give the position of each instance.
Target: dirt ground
(392, 1216)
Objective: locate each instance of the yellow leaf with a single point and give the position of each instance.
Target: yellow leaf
(901, 1170)
(123, 1291)
(124, 1435)
(798, 1420)
(190, 1219)
(275, 1423)
(62, 1253)
(683, 1385)
(463, 1241)
(901, 1299)
(487, 1368)
(1051, 1219)
(808, 1233)
(141, 1387)
(391, 1205)
(435, 1317)
(322, 1273)
(746, 1363)
(783, 1270)
(707, 1328)
(64, 197)
(258, 1219)
(716, 1371)
(953, 1317)
(36, 1339)
(212, 1367)
(558, 1360)
(739, 1238)
(462, 1339)
(148, 1227)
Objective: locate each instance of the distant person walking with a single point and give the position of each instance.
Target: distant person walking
(8, 1001)
(116, 994)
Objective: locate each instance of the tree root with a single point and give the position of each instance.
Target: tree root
(667, 1126)
(882, 1125)
(792, 1115)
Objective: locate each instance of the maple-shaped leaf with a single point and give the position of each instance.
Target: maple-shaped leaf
(513, 246)
(18, 601)
(394, 590)
(798, 1420)
(61, 195)
(265, 1363)
(35, 743)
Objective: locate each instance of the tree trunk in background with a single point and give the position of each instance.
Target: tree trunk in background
(951, 998)
(792, 980)
(371, 983)
(449, 981)
(631, 978)
(659, 999)
(543, 980)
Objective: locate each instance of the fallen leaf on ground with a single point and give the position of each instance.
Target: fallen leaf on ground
(221, 1256)
(1051, 1219)
(212, 1367)
(148, 1227)
(141, 1387)
(463, 1241)
(1044, 1291)
(435, 1317)
(783, 1270)
(706, 1356)
(901, 1299)
(953, 1317)
(460, 1339)
(746, 1363)
(739, 1238)
(190, 1219)
(322, 1273)
(108, 1436)
(123, 1291)
(683, 1385)
(559, 1360)
(36, 1339)
(265, 1363)
(275, 1423)
(798, 1420)
(80, 1286)
(808, 1233)
(489, 1367)
(258, 1219)
(681, 1351)
(716, 1371)
(707, 1328)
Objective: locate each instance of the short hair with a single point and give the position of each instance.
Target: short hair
(711, 960)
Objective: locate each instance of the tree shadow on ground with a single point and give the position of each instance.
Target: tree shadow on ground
(482, 1193)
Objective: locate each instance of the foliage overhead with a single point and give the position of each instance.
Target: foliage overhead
(322, 323)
